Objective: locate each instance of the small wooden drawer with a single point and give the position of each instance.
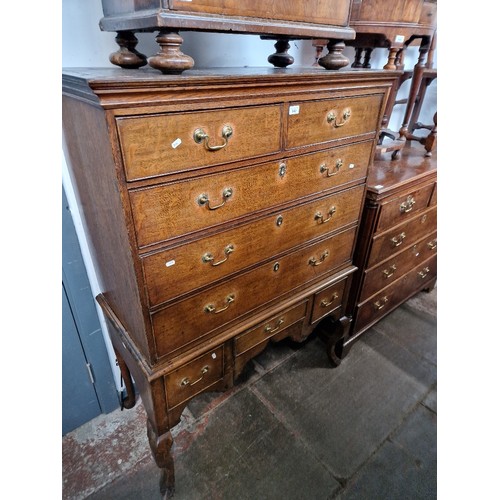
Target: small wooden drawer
(315, 122)
(399, 209)
(194, 377)
(390, 297)
(170, 210)
(175, 271)
(381, 276)
(155, 145)
(193, 318)
(394, 240)
(327, 300)
(270, 328)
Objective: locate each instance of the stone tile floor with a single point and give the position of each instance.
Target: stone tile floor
(292, 428)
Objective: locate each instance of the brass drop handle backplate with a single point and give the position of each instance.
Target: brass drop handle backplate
(208, 257)
(432, 244)
(380, 304)
(210, 308)
(398, 240)
(318, 216)
(407, 206)
(331, 117)
(203, 199)
(326, 303)
(200, 136)
(316, 262)
(424, 272)
(270, 329)
(335, 170)
(186, 382)
(389, 272)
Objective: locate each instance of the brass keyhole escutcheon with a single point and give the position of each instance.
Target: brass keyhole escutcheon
(279, 220)
(276, 267)
(282, 170)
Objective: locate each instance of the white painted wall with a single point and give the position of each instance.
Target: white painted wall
(84, 44)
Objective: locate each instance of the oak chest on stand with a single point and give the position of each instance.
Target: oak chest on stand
(222, 209)
(396, 251)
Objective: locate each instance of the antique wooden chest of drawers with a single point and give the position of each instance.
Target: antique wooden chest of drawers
(396, 251)
(222, 209)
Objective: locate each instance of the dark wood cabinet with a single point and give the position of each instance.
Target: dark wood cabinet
(283, 20)
(223, 210)
(396, 250)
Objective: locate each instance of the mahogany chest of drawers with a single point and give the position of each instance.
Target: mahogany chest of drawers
(223, 210)
(396, 251)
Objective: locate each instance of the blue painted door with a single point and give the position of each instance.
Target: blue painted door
(88, 387)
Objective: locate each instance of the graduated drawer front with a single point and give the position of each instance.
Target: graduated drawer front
(161, 144)
(326, 120)
(385, 274)
(335, 12)
(190, 319)
(194, 377)
(391, 296)
(327, 300)
(178, 270)
(400, 237)
(404, 207)
(268, 329)
(170, 210)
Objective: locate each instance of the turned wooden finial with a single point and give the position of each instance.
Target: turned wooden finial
(170, 59)
(281, 58)
(334, 59)
(127, 57)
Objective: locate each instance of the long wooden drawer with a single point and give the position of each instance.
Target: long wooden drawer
(191, 319)
(175, 271)
(154, 145)
(383, 275)
(402, 236)
(316, 122)
(403, 207)
(327, 300)
(163, 212)
(268, 329)
(334, 12)
(388, 298)
(194, 377)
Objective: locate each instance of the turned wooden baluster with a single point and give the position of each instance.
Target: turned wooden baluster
(127, 57)
(281, 58)
(391, 62)
(170, 59)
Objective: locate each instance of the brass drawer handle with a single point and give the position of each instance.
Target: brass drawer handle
(326, 303)
(380, 304)
(318, 216)
(203, 199)
(389, 272)
(186, 381)
(200, 136)
(210, 308)
(398, 240)
(332, 118)
(407, 206)
(314, 262)
(335, 170)
(270, 329)
(424, 272)
(208, 257)
(432, 244)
